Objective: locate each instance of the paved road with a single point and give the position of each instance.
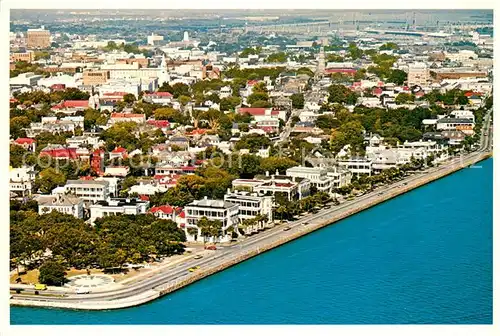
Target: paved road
(180, 272)
(285, 134)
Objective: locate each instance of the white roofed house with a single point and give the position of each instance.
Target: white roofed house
(225, 92)
(456, 124)
(116, 207)
(67, 204)
(21, 180)
(463, 114)
(293, 188)
(317, 175)
(251, 205)
(213, 210)
(122, 117)
(357, 165)
(89, 190)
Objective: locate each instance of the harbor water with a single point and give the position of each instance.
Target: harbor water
(422, 258)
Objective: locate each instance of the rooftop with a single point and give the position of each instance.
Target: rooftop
(210, 203)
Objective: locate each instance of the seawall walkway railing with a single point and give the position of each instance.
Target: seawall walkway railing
(304, 230)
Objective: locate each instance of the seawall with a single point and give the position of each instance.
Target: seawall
(313, 227)
(237, 258)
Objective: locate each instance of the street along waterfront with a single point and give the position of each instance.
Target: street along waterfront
(423, 257)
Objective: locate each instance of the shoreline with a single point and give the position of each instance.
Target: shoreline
(298, 230)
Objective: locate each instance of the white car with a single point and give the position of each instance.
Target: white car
(82, 290)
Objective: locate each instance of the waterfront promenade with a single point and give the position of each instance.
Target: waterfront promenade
(178, 276)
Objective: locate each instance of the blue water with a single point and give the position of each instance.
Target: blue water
(424, 257)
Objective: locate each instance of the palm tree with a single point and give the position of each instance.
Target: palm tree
(196, 116)
(264, 219)
(245, 224)
(213, 118)
(192, 231)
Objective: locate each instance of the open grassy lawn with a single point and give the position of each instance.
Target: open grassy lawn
(32, 275)
(29, 277)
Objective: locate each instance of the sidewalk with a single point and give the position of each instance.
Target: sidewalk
(166, 264)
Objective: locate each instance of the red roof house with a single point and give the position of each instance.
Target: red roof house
(118, 152)
(72, 104)
(159, 123)
(26, 143)
(60, 153)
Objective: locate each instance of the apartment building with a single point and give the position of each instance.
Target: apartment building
(38, 38)
(251, 204)
(223, 211)
(88, 190)
(28, 56)
(418, 74)
(95, 77)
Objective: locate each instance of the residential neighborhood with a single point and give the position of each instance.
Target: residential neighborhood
(152, 144)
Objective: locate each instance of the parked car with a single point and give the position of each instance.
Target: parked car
(82, 290)
(40, 287)
(210, 247)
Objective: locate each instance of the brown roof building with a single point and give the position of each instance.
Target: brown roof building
(95, 77)
(38, 38)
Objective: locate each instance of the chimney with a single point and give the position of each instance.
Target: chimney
(205, 198)
(277, 172)
(267, 173)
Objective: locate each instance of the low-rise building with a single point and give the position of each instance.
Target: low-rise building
(453, 124)
(88, 190)
(162, 98)
(225, 212)
(27, 143)
(66, 204)
(357, 165)
(123, 117)
(251, 205)
(120, 171)
(21, 180)
(291, 188)
(325, 176)
(116, 207)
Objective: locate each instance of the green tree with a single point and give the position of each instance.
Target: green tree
(327, 121)
(273, 163)
(229, 103)
(52, 273)
(129, 98)
(165, 87)
(389, 46)
(297, 100)
(341, 94)
(354, 52)
(180, 89)
(397, 77)
(279, 57)
(403, 98)
(252, 142)
(17, 126)
(48, 179)
(183, 99)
